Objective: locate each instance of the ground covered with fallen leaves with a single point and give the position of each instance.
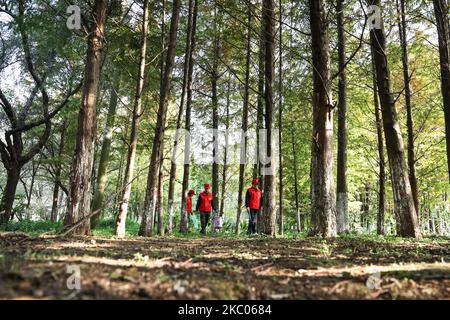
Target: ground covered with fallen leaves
(224, 268)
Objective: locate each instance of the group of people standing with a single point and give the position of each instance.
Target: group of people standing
(206, 206)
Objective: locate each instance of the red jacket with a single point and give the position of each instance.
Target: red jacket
(205, 202)
(253, 198)
(189, 205)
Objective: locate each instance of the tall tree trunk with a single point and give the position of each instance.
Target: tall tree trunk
(82, 165)
(300, 225)
(403, 200)
(244, 126)
(173, 165)
(225, 154)
(146, 228)
(341, 188)
(58, 169)
(442, 23)
(323, 214)
(260, 103)
(280, 118)
(9, 192)
(119, 181)
(55, 198)
(268, 216)
(102, 175)
(215, 111)
(159, 201)
(408, 104)
(381, 160)
(186, 166)
(129, 169)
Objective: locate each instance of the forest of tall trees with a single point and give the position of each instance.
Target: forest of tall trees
(182, 67)
(116, 115)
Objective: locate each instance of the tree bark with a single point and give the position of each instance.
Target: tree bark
(159, 201)
(54, 212)
(280, 119)
(268, 214)
(146, 228)
(9, 192)
(342, 224)
(408, 104)
(187, 123)
(225, 154)
(80, 191)
(403, 200)
(137, 111)
(244, 126)
(381, 159)
(173, 166)
(323, 214)
(442, 23)
(300, 226)
(215, 111)
(102, 174)
(260, 104)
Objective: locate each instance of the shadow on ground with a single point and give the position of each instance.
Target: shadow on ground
(223, 268)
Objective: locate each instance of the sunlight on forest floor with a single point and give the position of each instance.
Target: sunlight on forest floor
(223, 268)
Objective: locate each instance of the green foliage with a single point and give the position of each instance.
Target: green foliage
(106, 228)
(30, 227)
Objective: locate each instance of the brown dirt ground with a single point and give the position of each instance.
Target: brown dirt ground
(222, 268)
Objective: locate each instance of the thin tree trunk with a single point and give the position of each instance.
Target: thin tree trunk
(34, 169)
(244, 127)
(119, 181)
(146, 228)
(129, 169)
(403, 200)
(300, 225)
(268, 216)
(260, 105)
(323, 214)
(215, 112)
(381, 160)
(186, 166)
(442, 23)
(408, 104)
(173, 166)
(280, 118)
(102, 175)
(159, 223)
(257, 173)
(55, 198)
(58, 169)
(341, 188)
(159, 202)
(82, 165)
(225, 155)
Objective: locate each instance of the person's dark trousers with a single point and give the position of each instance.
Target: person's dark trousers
(253, 216)
(204, 219)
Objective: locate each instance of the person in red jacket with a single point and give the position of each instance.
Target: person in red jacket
(191, 215)
(205, 205)
(253, 203)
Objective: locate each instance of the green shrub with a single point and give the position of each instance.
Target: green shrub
(33, 227)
